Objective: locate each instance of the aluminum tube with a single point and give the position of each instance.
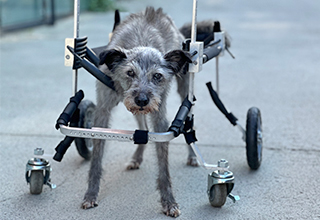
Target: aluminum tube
(193, 39)
(217, 76)
(75, 35)
(194, 22)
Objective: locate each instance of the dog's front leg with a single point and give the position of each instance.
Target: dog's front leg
(169, 205)
(106, 101)
(90, 198)
(95, 172)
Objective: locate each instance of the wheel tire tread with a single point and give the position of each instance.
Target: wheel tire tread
(218, 195)
(36, 181)
(81, 143)
(253, 116)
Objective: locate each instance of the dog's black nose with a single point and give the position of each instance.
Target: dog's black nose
(141, 100)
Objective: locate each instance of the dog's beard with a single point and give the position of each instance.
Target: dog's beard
(153, 106)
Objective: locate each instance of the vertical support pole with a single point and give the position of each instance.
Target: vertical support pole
(75, 35)
(194, 22)
(193, 40)
(217, 75)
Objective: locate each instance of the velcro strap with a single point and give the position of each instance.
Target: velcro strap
(188, 125)
(190, 137)
(140, 137)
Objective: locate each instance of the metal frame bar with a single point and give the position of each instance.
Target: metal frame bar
(113, 134)
(193, 40)
(75, 35)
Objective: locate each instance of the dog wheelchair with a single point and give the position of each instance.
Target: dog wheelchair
(76, 120)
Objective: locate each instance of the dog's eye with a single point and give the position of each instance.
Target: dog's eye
(157, 76)
(130, 73)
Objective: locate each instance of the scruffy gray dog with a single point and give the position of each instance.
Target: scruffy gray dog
(142, 57)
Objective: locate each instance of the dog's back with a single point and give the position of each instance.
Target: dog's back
(150, 28)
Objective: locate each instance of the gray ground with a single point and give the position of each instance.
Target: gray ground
(276, 44)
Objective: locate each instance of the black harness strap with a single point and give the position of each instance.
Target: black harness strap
(190, 136)
(188, 131)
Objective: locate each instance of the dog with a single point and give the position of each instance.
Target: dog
(142, 58)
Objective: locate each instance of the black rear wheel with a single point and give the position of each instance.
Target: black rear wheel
(86, 119)
(254, 138)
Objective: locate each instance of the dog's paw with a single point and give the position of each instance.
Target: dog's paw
(192, 161)
(87, 204)
(172, 210)
(133, 165)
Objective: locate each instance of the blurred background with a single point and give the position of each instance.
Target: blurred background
(21, 14)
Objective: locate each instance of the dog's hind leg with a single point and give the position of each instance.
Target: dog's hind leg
(183, 88)
(137, 157)
(192, 158)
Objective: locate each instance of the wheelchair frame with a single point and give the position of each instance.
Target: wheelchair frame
(79, 55)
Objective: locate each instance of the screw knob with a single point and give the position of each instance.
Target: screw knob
(38, 151)
(223, 163)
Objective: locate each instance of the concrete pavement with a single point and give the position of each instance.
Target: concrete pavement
(276, 44)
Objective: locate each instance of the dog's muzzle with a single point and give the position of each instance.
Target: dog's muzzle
(141, 103)
(141, 100)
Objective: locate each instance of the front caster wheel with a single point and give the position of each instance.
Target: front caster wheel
(84, 145)
(36, 181)
(254, 138)
(218, 195)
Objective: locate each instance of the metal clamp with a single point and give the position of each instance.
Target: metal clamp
(68, 56)
(220, 37)
(196, 49)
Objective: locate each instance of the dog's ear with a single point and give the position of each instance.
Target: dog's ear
(111, 58)
(176, 60)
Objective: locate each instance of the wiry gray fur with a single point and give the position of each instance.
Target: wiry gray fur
(143, 56)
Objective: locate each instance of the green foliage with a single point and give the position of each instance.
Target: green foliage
(101, 5)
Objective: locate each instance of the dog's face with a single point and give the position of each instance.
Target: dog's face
(144, 74)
